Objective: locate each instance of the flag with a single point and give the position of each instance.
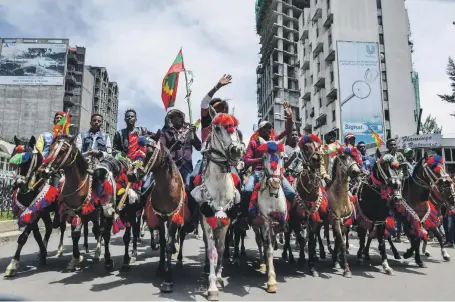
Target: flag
(198, 123)
(62, 127)
(171, 81)
(377, 139)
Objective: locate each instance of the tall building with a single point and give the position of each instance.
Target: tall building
(78, 96)
(277, 71)
(105, 99)
(356, 69)
(39, 77)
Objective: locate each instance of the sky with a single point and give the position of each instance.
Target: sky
(138, 40)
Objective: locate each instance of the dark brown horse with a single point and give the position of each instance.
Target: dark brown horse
(167, 208)
(78, 200)
(30, 201)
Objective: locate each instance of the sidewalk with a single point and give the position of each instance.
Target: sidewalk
(10, 232)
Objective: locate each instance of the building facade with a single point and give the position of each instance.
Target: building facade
(326, 23)
(277, 71)
(105, 102)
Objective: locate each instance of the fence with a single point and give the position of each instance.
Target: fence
(6, 194)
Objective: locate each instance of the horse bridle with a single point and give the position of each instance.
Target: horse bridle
(31, 167)
(61, 143)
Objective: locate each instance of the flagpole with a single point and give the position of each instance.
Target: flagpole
(190, 113)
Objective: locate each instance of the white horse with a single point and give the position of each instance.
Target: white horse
(216, 192)
(268, 204)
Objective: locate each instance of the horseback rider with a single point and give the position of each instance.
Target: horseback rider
(254, 158)
(367, 160)
(220, 106)
(180, 138)
(410, 162)
(293, 157)
(349, 140)
(94, 141)
(44, 142)
(123, 138)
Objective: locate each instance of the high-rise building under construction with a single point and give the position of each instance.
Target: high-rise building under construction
(277, 25)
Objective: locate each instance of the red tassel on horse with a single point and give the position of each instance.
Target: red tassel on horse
(26, 217)
(177, 218)
(88, 208)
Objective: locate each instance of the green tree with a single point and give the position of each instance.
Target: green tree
(430, 126)
(450, 98)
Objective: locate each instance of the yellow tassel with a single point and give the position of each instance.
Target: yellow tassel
(121, 191)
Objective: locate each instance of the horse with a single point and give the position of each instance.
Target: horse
(167, 206)
(268, 207)
(216, 193)
(309, 209)
(341, 209)
(373, 205)
(80, 196)
(33, 199)
(420, 209)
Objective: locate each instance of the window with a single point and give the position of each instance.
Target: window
(380, 20)
(386, 115)
(388, 134)
(382, 57)
(381, 39)
(333, 116)
(320, 102)
(332, 77)
(379, 4)
(319, 67)
(384, 76)
(306, 113)
(385, 95)
(317, 32)
(328, 4)
(448, 154)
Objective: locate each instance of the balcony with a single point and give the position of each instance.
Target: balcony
(72, 58)
(68, 101)
(331, 55)
(321, 121)
(329, 20)
(333, 92)
(308, 128)
(70, 79)
(320, 82)
(317, 14)
(304, 34)
(306, 62)
(307, 96)
(318, 49)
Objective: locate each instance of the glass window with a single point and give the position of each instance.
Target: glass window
(380, 20)
(448, 154)
(333, 116)
(386, 115)
(378, 4)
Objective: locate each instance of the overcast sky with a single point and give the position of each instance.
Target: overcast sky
(137, 41)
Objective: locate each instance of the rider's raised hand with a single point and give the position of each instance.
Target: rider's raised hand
(225, 80)
(287, 109)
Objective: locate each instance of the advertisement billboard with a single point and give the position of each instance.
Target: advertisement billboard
(359, 84)
(32, 64)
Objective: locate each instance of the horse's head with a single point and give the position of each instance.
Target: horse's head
(224, 138)
(386, 172)
(272, 160)
(310, 146)
(26, 159)
(347, 163)
(437, 178)
(62, 154)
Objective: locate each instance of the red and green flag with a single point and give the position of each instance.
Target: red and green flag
(377, 139)
(171, 81)
(63, 126)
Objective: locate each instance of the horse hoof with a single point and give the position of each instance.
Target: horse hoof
(59, 253)
(213, 295)
(347, 274)
(272, 288)
(407, 254)
(237, 262)
(109, 265)
(179, 264)
(314, 273)
(427, 254)
(397, 256)
(446, 258)
(422, 264)
(167, 287)
(9, 273)
(336, 265)
(125, 267)
(219, 282)
(132, 260)
(390, 272)
(263, 268)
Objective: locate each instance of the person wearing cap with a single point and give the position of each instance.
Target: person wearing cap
(179, 138)
(349, 140)
(254, 158)
(46, 138)
(409, 156)
(367, 160)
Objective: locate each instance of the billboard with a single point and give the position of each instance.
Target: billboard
(360, 89)
(32, 63)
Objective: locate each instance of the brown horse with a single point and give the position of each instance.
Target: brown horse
(78, 201)
(166, 207)
(341, 209)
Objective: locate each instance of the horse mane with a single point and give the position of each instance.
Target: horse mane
(334, 166)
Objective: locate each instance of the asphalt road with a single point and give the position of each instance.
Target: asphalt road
(92, 282)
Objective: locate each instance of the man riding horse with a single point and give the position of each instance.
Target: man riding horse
(293, 157)
(94, 141)
(367, 160)
(180, 138)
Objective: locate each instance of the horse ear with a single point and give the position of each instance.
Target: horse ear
(157, 135)
(425, 155)
(212, 112)
(17, 141)
(73, 139)
(262, 141)
(32, 142)
(378, 153)
(282, 141)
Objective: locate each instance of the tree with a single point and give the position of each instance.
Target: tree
(430, 126)
(450, 98)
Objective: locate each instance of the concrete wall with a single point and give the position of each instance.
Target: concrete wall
(87, 99)
(28, 110)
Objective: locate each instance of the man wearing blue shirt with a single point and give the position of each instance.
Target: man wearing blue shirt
(367, 160)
